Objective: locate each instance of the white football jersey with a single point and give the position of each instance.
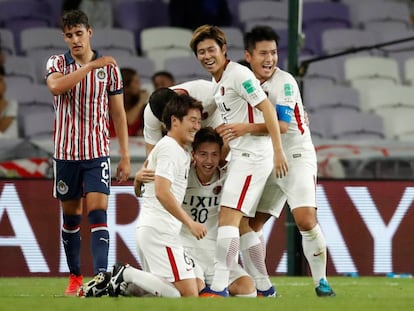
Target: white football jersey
(202, 203)
(236, 95)
(170, 161)
(282, 89)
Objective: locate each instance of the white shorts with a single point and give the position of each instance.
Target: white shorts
(204, 268)
(163, 255)
(246, 178)
(298, 188)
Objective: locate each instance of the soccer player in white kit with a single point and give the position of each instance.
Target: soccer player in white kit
(299, 186)
(202, 202)
(162, 216)
(240, 99)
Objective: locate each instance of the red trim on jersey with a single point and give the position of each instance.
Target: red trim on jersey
(173, 264)
(250, 113)
(298, 119)
(244, 190)
(181, 90)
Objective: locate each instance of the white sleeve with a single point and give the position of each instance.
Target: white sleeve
(214, 120)
(152, 127)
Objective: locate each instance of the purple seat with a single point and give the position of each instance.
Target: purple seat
(17, 15)
(137, 15)
(186, 68)
(333, 97)
(320, 16)
(354, 125)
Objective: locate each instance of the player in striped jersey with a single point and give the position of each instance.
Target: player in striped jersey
(240, 99)
(86, 88)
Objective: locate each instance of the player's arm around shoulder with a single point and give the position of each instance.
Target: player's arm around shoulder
(170, 203)
(117, 112)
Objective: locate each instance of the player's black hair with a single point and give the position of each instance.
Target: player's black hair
(158, 99)
(207, 135)
(178, 106)
(74, 18)
(2, 71)
(165, 73)
(257, 34)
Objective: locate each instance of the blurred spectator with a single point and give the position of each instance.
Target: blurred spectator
(98, 11)
(135, 100)
(193, 13)
(162, 79)
(8, 111)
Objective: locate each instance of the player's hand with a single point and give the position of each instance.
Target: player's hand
(232, 131)
(123, 170)
(102, 62)
(198, 230)
(280, 164)
(145, 174)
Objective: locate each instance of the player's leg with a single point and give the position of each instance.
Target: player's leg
(227, 249)
(71, 239)
(314, 247)
(148, 282)
(241, 284)
(253, 259)
(300, 188)
(97, 185)
(68, 189)
(164, 256)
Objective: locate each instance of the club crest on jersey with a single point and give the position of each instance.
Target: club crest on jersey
(62, 187)
(101, 74)
(222, 91)
(217, 190)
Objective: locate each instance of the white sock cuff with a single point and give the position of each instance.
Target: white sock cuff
(226, 232)
(313, 233)
(248, 240)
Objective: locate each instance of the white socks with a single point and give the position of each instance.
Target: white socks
(314, 248)
(227, 252)
(150, 283)
(253, 256)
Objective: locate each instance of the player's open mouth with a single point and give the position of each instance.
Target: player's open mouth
(267, 67)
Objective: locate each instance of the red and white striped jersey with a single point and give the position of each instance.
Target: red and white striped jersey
(81, 130)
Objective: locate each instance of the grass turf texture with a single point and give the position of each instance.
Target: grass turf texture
(296, 293)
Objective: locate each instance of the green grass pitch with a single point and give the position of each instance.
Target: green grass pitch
(295, 294)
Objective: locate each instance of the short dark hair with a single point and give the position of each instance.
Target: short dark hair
(207, 32)
(178, 106)
(257, 34)
(206, 135)
(2, 71)
(158, 99)
(74, 18)
(128, 75)
(164, 73)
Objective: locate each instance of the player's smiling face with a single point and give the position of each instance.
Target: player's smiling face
(212, 57)
(263, 59)
(207, 157)
(189, 126)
